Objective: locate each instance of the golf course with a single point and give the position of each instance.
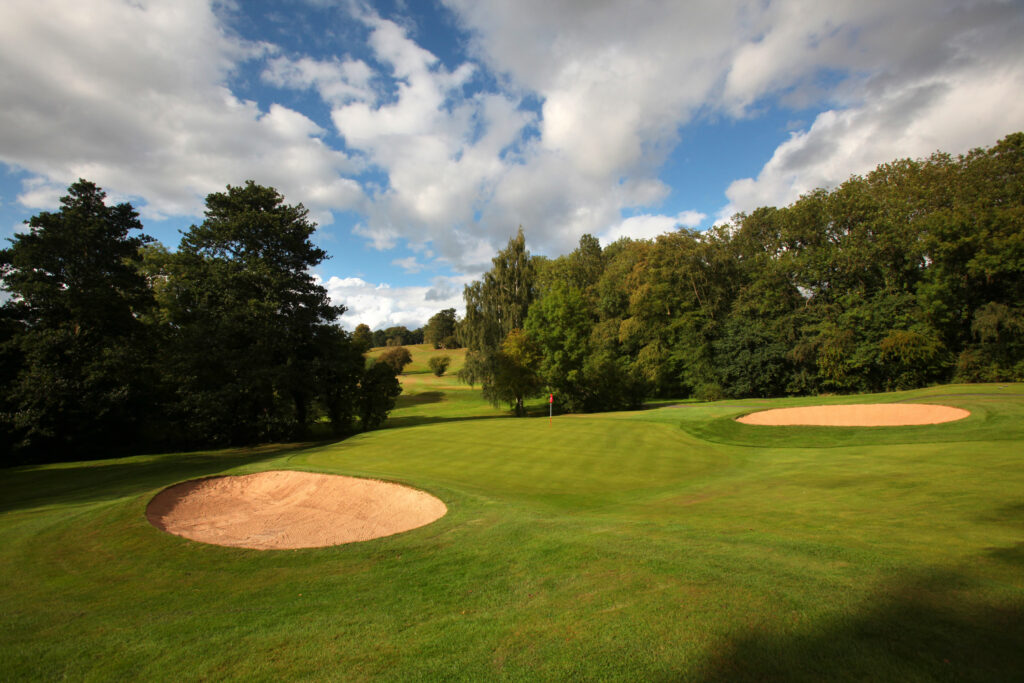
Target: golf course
(670, 543)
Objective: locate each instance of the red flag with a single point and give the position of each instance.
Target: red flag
(551, 398)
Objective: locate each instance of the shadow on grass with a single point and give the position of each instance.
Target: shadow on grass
(424, 398)
(1012, 555)
(94, 481)
(932, 627)
(416, 420)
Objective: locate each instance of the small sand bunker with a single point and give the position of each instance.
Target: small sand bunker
(288, 509)
(859, 415)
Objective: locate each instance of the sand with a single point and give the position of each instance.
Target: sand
(288, 509)
(857, 415)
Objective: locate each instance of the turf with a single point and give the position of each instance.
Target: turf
(665, 544)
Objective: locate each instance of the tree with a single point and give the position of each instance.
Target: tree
(515, 374)
(560, 325)
(440, 330)
(247, 320)
(396, 358)
(362, 337)
(499, 302)
(378, 390)
(496, 305)
(80, 372)
(438, 364)
(399, 335)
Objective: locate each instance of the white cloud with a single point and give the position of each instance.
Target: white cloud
(608, 89)
(132, 96)
(338, 82)
(409, 265)
(381, 306)
(897, 79)
(38, 193)
(924, 77)
(648, 226)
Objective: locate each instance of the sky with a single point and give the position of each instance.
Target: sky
(421, 134)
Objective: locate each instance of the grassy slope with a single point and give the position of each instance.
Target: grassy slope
(663, 544)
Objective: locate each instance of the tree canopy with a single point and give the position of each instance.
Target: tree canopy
(77, 360)
(909, 275)
(111, 343)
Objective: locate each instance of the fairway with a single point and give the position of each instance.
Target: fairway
(672, 543)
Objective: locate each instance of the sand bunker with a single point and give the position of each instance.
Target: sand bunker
(861, 415)
(287, 509)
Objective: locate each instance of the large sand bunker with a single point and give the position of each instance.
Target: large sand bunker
(288, 509)
(858, 415)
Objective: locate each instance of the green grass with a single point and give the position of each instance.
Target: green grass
(666, 544)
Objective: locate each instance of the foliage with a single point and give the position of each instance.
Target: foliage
(438, 364)
(495, 306)
(77, 360)
(248, 324)
(378, 389)
(515, 378)
(441, 330)
(362, 338)
(909, 275)
(396, 358)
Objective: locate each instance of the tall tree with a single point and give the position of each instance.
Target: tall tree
(248, 320)
(495, 306)
(73, 327)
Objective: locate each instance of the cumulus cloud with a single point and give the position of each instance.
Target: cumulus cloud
(920, 78)
(132, 95)
(409, 265)
(381, 306)
(648, 226)
(337, 81)
(559, 119)
(893, 79)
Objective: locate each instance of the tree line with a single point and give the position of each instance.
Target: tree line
(910, 275)
(441, 331)
(110, 343)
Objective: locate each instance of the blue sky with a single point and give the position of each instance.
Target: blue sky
(420, 134)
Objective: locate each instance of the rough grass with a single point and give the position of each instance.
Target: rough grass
(664, 544)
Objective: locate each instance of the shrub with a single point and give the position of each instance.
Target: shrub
(438, 364)
(709, 392)
(396, 358)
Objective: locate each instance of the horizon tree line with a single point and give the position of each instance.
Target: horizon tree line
(908, 276)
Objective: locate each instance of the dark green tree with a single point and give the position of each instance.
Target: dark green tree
(440, 330)
(77, 359)
(362, 337)
(247, 319)
(514, 373)
(378, 389)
